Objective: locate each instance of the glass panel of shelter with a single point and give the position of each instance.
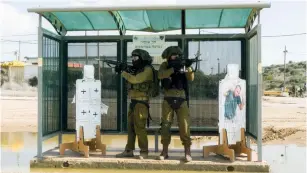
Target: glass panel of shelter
(203, 91)
(51, 86)
(76, 60)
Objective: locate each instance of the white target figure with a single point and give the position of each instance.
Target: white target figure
(232, 108)
(88, 103)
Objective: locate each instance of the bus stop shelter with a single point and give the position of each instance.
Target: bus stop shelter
(57, 51)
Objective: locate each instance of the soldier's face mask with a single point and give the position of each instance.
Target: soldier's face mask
(135, 57)
(174, 57)
(136, 61)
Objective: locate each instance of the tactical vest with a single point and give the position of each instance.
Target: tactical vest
(141, 87)
(178, 81)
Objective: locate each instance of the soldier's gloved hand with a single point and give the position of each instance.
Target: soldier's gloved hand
(118, 68)
(177, 67)
(123, 66)
(188, 63)
(130, 69)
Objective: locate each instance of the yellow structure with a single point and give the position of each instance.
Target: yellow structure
(13, 64)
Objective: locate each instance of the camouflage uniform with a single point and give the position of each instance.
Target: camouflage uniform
(175, 101)
(138, 85)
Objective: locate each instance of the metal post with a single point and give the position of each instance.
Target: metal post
(86, 62)
(259, 99)
(98, 58)
(59, 54)
(121, 119)
(157, 141)
(198, 52)
(40, 90)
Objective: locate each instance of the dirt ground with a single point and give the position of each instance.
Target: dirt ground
(283, 118)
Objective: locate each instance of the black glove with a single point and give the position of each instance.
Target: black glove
(188, 63)
(118, 68)
(123, 66)
(176, 64)
(131, 70)
(177, 67)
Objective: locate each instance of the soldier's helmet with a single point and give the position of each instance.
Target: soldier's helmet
(143, 54)
(171, 50)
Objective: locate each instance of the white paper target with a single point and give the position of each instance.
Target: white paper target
(88, 103)
(95, 92)
(83, 91)
(232, 108)
(95, 113)
(82, 111)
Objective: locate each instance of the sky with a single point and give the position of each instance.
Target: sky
(284, 17)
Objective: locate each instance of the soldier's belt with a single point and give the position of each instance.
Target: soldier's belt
(174, 102)
(140, 98)
(175, 95)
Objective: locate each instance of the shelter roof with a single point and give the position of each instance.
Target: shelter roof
(152, 18)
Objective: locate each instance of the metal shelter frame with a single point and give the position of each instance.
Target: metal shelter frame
(251, 58)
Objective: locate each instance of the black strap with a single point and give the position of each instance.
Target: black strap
(134, 102)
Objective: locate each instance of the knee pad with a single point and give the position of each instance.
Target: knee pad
(166, 125)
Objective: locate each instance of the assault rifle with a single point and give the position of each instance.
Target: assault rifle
(184, 62)
(124, 66)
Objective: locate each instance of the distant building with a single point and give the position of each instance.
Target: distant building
(31, 60)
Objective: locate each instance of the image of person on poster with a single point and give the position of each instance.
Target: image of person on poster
(232, 101)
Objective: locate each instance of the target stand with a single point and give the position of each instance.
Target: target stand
(84, 147)
(229, 150)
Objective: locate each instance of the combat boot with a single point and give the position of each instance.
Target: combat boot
(126, 153)
(164, 153)
(143, 155)
(187, 153)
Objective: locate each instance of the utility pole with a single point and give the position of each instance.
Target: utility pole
(212, 70)
(285, 56)
(15, 53)
(19, 51)
(198, 52)
(218, 65)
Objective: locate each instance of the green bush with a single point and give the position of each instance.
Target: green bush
(33, 81)
(268, 78)
(294, 72)
(272, 86)
(302, 65)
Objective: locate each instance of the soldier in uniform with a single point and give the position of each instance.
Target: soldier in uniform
(138, 86)
(174, 83)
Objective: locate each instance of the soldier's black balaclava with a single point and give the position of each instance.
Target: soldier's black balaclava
(138, 57)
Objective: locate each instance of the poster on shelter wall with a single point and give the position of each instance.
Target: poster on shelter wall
(232, 104)
(154, 44)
